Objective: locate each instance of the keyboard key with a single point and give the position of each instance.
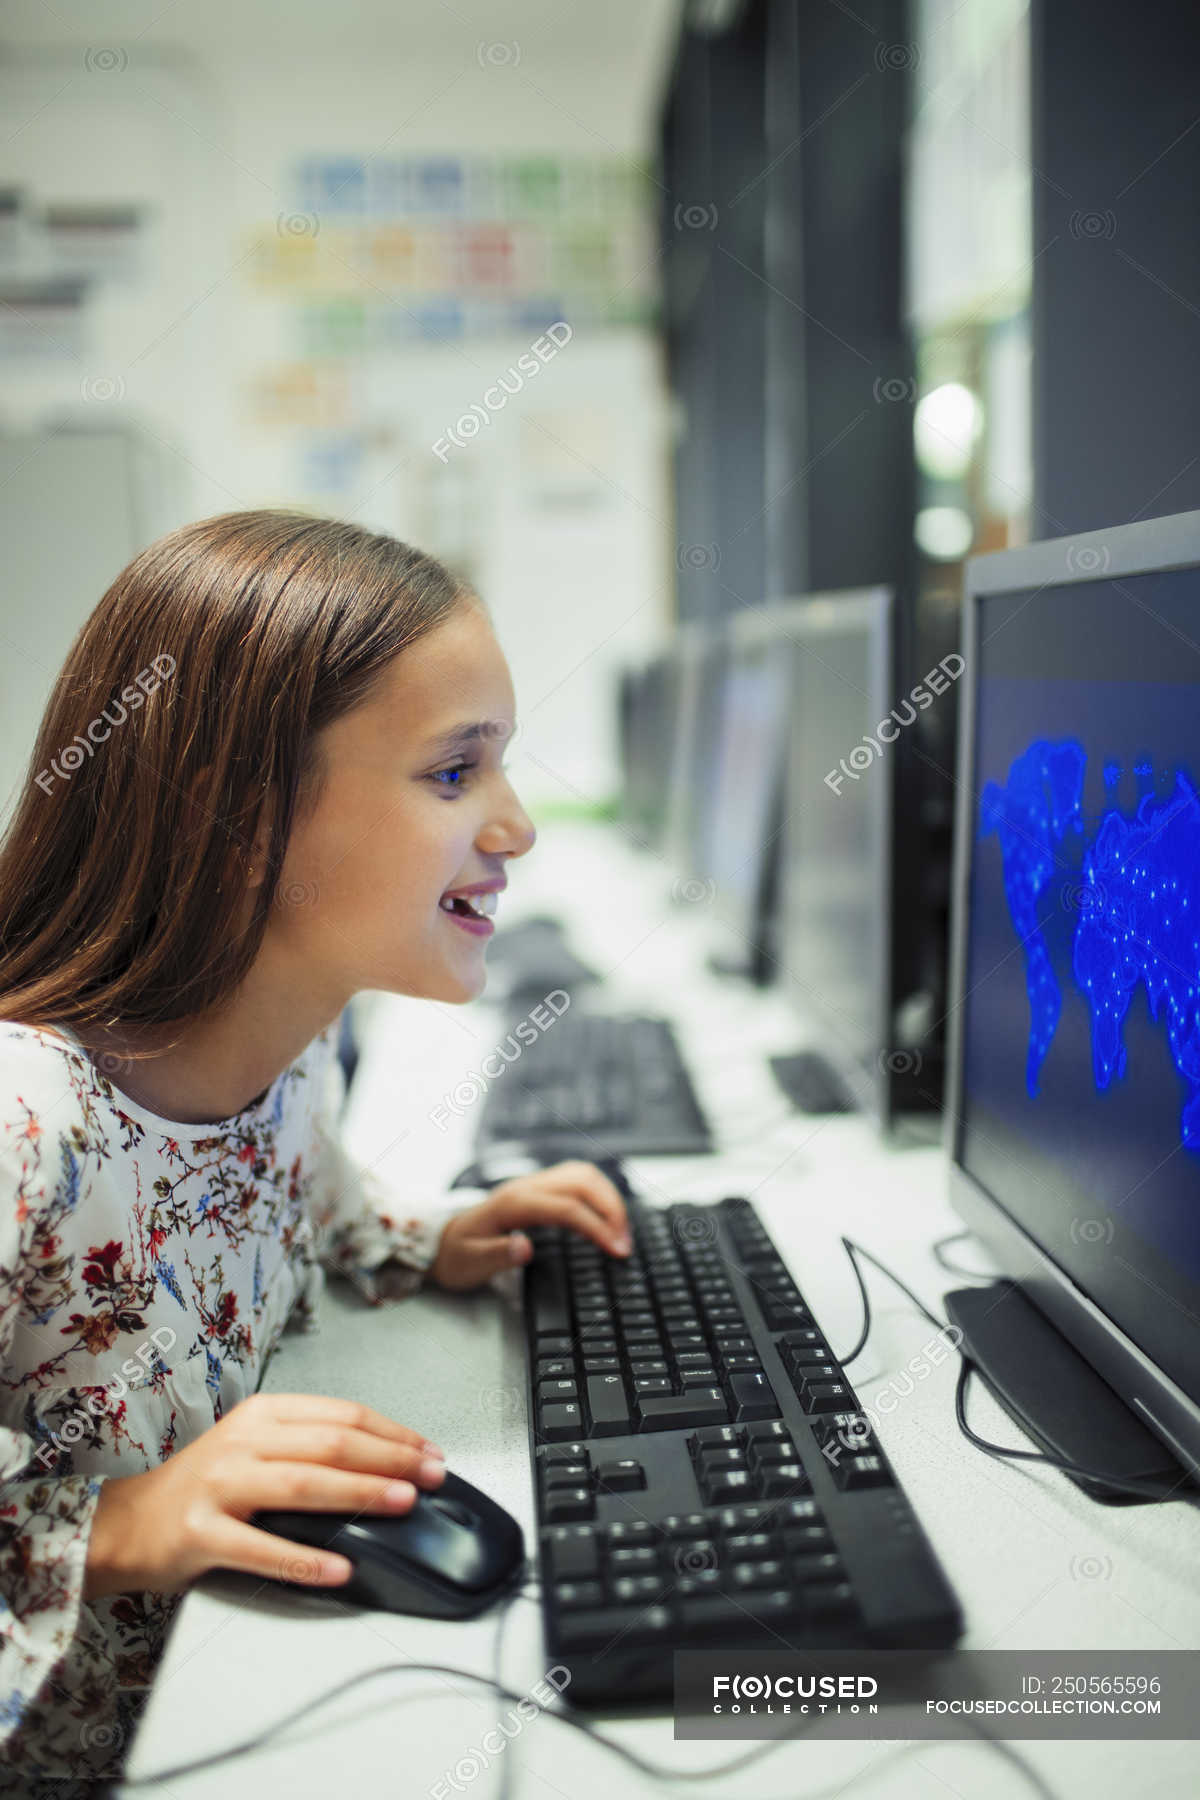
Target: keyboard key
(705, 1377)
(831, 1600)
(764, 1430)
(723, 1456)
(637, 1589)
(601, 1365)
(577, 1593)
(564, 1453)
(766, 1452)
(608, 1406)
(631, 1531)
(715, 1437)
(652, 1384)
(568, 1503)
(826, 1565)
(726, 1484)
(826, 1396)
(805, 1539)
(863, 1471)
(744, 1517)
(628, 1558)
(594, 1628)
(783, 1478)
(550, 1367)
(574, 1474)
(746, 1544)
(621, 1475)
(753, 1397)
(572, 1552)
(556, 1390)
(699, 1406)
(685, 1525)
(560, 1421)
(758, 1574)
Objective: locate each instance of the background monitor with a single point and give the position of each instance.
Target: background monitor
(740, 816)
(700, 651)
(831, 940)
(1074, 1100)
(647, 706)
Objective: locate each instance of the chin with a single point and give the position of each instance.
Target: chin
(458, 989)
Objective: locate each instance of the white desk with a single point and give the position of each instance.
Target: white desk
(1036, 1564)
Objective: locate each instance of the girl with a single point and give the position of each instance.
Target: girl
(269, 775)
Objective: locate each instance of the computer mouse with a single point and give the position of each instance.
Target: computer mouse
(449, 1557)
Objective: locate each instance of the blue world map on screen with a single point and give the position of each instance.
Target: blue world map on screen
(1138, 905)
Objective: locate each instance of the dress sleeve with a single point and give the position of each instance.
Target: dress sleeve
(46, 1512)
(362, 1230)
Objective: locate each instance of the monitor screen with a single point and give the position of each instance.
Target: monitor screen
(834, 874)
(1079, 1109)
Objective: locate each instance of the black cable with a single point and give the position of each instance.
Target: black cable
(655, 1771)
(854, 1251)
(954, 1268)
(1131, 1484)
(1118, 1485)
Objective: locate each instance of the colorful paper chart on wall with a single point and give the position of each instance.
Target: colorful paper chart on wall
(382, 252)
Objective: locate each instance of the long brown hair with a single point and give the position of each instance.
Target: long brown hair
(195, 688)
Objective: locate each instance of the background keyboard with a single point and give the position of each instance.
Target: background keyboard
(703, 1474)
(598, 1084)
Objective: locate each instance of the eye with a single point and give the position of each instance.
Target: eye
(452, 778)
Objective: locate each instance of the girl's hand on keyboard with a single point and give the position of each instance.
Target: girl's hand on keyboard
(481, 1240)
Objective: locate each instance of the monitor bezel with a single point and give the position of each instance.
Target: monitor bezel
(1146, 547)
(820, 615)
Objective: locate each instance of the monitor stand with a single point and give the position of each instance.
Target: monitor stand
(1054, 1394)
(811, 1083)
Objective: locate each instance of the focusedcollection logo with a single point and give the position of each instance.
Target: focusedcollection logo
(810, 1692)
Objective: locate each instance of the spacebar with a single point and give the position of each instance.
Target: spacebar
(702, 1406)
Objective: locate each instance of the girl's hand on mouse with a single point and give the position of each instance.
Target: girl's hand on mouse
(299, 1452)
(481, 1240)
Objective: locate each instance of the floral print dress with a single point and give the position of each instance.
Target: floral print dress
(147, 1269)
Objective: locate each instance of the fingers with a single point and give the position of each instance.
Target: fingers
(591, 1184)
(313, 1409)
(258, 1485)
(236, 1545)
(342, 1447)
(523, 1203)
(478, 1258)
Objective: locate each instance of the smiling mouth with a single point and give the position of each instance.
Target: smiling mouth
(482, 906)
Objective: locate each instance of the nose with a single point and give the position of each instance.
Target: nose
(510, 831)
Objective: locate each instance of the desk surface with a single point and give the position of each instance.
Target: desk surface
(1036, 1564)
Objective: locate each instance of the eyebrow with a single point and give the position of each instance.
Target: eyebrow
(467, 733)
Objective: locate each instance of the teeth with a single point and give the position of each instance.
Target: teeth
(482, 904)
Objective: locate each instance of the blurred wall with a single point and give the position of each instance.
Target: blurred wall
(559, 509)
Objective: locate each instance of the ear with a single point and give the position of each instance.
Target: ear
(243, 861)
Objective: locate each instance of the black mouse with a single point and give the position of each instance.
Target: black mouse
(449, 1557)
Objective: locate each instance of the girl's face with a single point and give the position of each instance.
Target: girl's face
(416, 807)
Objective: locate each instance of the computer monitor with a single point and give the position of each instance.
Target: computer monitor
(742, 811)
(699, 651)
(833, 912)
(647, 702)
(1073, 1121)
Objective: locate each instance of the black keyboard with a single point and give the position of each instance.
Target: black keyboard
(597, 1084)
(703, 1475)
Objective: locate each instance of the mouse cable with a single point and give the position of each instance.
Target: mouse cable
(655, 1771)
(1151, 1490)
